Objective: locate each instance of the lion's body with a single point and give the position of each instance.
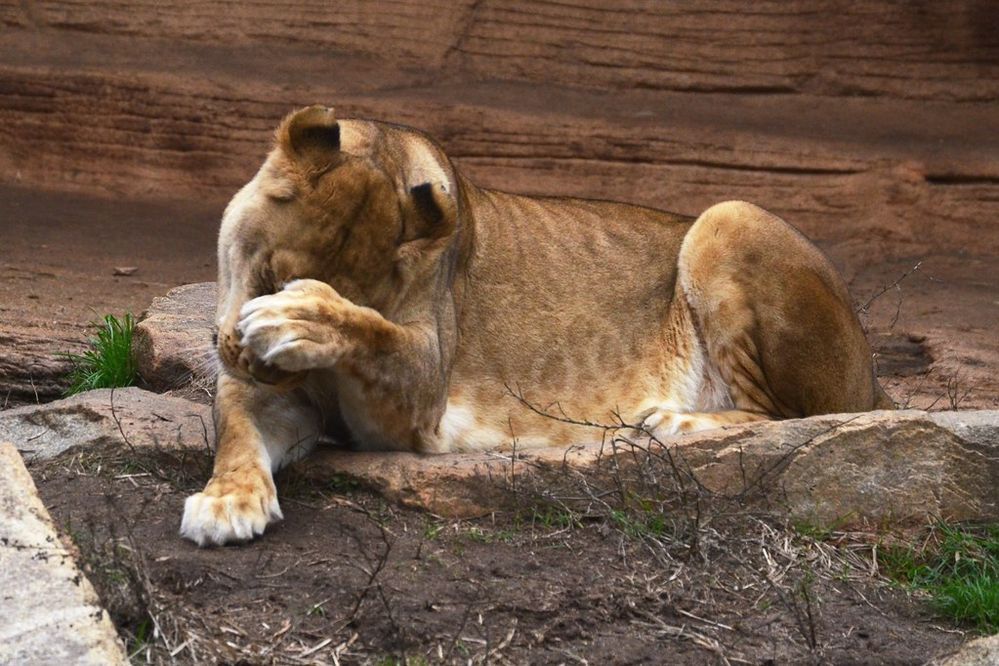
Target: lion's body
(566, 304)
(420, 312)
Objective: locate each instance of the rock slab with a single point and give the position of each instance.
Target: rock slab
(173, 342)
(979, 652)
(887, 467)
(49, 613)
(30, 369)
(900, 467)
(107, 417)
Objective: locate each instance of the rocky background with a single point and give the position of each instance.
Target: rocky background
(847, 118)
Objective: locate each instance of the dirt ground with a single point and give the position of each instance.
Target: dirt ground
(57, 274)
(347, 578)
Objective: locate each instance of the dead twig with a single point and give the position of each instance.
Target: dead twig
(888, 287)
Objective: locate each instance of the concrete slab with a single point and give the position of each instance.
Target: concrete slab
(49, 613)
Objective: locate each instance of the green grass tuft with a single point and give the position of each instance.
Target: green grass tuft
(109, 362)
(640, 524)
(550, 517)
(958, 567)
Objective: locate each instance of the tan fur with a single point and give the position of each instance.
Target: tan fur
(369, 291)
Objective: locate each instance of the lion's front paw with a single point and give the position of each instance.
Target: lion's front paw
(295, 329)
(235, 506)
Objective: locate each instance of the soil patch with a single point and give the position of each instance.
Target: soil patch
(347, 576)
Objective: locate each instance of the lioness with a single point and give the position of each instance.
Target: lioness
(367, 288)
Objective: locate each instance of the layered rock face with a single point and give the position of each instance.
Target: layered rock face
(852, 120)
(927, 51)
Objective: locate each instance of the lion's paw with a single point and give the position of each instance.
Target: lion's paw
(295, 329)
(666, 423)
(229, 512)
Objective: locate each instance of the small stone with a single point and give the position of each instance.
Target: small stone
(125, 270)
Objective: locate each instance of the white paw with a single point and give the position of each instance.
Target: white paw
(666, 423)
(662, 423)
(218, 520)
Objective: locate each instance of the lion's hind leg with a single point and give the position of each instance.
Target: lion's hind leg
(707, 387)
(707, 390)
(773, 318)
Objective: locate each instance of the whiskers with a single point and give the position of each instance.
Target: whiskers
(204, 364)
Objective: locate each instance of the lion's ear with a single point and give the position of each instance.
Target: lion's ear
(436, 211)
(311, 135)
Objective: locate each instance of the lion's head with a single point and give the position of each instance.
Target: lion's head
(366, 207)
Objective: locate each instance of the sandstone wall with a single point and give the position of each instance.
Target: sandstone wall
(920, 49)
(855, 120)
